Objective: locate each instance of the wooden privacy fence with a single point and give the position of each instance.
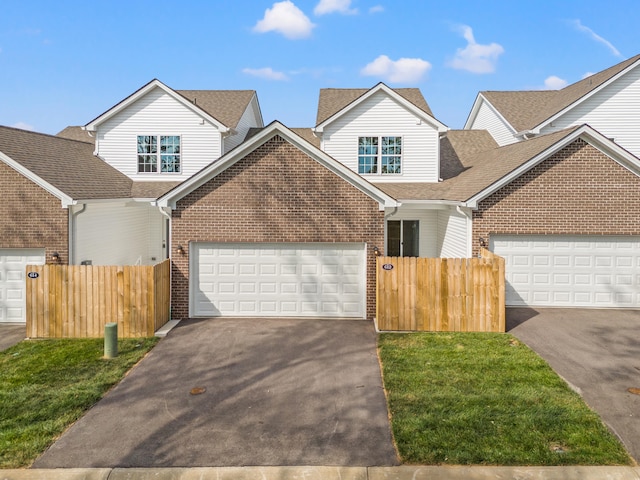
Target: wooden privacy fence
(441, 294)
(76, 301)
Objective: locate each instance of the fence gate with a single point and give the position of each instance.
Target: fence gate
(441, 294)
(76, 301)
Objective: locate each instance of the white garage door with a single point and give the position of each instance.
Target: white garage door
(13, 263)
(577, 271)
(291, 279)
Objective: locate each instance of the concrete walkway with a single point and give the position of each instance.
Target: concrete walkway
(233, 392)
(332, 473)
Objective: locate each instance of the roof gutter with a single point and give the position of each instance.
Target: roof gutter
(526, 134)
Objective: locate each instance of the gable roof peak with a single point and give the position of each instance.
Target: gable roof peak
(332, 101)
(532, 109)
(223, 108)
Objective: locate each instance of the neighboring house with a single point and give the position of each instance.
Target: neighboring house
(609, 101)
(38, 219)
(272, 221)
(88, 194)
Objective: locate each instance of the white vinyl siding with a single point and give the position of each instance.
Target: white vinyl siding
(13, 291)
(428, 228)
(613, 111)
(118, 234)
(381, 116)
(250, 118)
(570, 271)
(488, 119)
(283, 280)
(157, 113)
(453, 234)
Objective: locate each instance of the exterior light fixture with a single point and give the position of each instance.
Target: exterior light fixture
(180, 249)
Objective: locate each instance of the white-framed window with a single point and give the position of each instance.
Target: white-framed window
(380, 155)
(158, 153)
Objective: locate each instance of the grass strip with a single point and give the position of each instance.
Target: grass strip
(486, 399)
(46, 385)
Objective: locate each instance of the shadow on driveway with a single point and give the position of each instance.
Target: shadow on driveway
(276, 392)
(597, 351)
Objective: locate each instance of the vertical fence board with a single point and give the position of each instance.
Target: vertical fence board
(78, 300)
(441, 294)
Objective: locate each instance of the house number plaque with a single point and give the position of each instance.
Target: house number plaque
(33, 274)
(387, 266)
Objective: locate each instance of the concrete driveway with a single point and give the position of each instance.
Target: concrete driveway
(271, 392)
(595, 351)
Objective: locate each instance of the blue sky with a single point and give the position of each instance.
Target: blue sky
(65, 62)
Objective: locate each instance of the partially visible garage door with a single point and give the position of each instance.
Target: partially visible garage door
(13, 264)
(276, 279)
(571, 271)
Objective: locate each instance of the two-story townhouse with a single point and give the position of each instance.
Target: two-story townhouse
(391, 138)
(608, 101)
(88, 195)
(158, 137)
(289, 222)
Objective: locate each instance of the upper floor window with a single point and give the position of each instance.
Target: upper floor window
(165, 159)
(379, 155)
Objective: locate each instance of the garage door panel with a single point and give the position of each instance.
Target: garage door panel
(581, 271)
(278, 280)
(13, 264)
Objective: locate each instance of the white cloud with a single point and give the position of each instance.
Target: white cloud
(24, 126)
(588, 74)
(403, 70)
(596, 37)
(287, 19)
(555, 83)
(376, 9)
(476, 58)
(267, 73)
(333, 6)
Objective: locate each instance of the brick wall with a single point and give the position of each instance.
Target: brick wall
(31, 217)
(579, 190)
(275, 194)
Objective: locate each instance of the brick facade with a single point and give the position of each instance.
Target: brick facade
(275, 194)
(577, 191)
(31, 217)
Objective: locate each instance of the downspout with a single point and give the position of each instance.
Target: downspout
(168, 253)
(168, 237)
(470, 227)
(72, 236)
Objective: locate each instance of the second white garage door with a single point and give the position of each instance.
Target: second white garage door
(292, 279)
(577, 271)
(13, 264)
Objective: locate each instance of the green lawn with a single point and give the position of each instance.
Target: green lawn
(46, 385)
(486, 399)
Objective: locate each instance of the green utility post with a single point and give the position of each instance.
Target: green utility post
(111, 340)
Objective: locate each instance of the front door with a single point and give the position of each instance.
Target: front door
(403, 238)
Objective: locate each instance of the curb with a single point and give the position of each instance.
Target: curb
(329, 473)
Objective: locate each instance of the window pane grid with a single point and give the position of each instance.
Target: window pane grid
(168, 157)
(379, 155)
